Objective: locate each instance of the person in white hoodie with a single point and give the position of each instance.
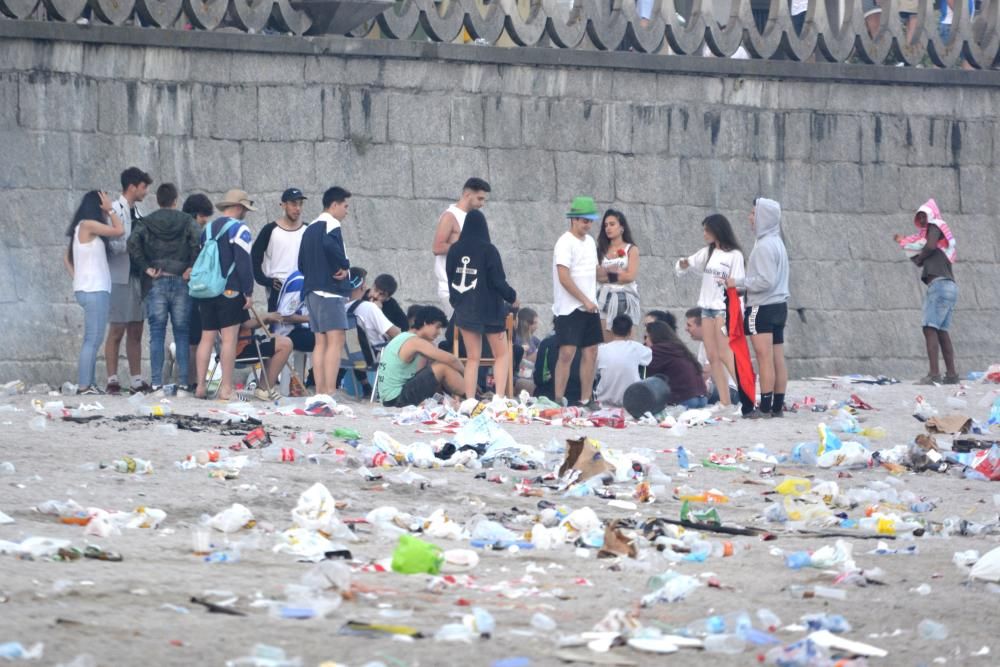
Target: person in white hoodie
(766, 296)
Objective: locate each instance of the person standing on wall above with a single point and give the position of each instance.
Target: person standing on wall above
(474, 195)
(275, 252)
(766, 288)
(574, 287)
(86, 260)
(126, 293)
(618, 269)
(934, 252)
(223, 314)
(164, 249)
(722, 258)
(326, 271)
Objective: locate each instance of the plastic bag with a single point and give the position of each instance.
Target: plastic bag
(232, 519)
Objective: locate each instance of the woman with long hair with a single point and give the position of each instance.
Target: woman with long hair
(673, 360)
(719, 260)
(619, 266)
(478, 290)
(524, 334)
(86, 260)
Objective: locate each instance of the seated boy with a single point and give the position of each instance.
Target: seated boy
(545, 365)
(618, 362)
(381, 295)
(291, 318)
(278, 348)
(412, 368)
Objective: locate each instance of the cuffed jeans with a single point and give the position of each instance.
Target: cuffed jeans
(96, 306)
(168, 297)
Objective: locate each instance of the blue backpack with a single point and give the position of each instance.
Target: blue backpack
(207, 280)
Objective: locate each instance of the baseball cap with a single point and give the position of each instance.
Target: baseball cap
(292, 194)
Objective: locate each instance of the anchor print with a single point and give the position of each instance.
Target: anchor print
(465, 271)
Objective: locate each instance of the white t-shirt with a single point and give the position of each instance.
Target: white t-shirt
(282, 255)
(618, 365)
(373, 321)
(799, 6)
(721, 265)
(703, 360)
(440, 261)
(580, 257)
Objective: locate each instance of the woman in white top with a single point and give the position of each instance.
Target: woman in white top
(617, 271)
(86, 259)
(722, 258)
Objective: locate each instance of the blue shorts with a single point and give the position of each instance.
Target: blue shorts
(712, 313)
(942, 294)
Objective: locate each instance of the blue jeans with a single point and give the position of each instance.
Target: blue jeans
(96, 306)
(695, 403)
(168, 296)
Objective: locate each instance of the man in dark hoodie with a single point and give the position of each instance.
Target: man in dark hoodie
(163, 250)
(766, 288)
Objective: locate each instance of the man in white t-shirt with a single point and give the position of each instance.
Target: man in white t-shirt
(474, 195)
(377, 327)
(693, 327)
(275, 252)
(618, 362)
(574, 293)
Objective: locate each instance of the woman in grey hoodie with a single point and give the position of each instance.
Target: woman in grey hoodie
(766, 289)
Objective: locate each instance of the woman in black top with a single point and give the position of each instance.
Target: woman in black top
(478, 289)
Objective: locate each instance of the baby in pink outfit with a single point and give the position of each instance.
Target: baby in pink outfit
(913, 244)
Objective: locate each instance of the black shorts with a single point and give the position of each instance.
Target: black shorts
(303, 340)
(220, 312)
(770, 319)
(250, 351)
(579, 329)
(418, 388)
(194, 323)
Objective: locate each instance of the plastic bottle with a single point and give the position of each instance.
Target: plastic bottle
(682, 458)
(805, 453)
(346, 433)
(798, 560)
(282, 455)
(484, 622)
(205, 456)
(69, 389)
(128, 464)
(540, 621)
(165, 430)
(730, 644)
(768, 619)
(158, 410)
(928, 629)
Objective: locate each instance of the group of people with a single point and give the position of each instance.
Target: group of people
(197, 267)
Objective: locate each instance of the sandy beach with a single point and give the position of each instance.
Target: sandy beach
(139, 610)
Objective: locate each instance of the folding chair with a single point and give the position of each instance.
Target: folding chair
(358, 356)
(490, 361)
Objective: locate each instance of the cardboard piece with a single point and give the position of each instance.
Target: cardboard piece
(949, 424)
(583, 456)
(617, 543)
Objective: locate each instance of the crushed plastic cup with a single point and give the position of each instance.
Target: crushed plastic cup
(540, 621)
(38, 423)
(928, 629)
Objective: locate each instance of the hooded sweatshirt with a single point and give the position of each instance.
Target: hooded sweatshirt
(766, 280)
(167, 240)
(915, 243)
(477, 284)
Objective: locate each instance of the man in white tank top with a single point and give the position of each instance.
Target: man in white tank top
(474, 194)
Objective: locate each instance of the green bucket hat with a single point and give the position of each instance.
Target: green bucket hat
(583, 207)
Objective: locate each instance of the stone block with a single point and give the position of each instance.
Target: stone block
(644, 179)
(22, 226)
(971, 142)
(618, 127)
(929, 142)
(502, 121)
(132, 107)
(49, 101)
(264, 68)
(211, 66)
(754, 93)
(419, 118)
(916, 184)
(440, 171)
(390, 227)
(468, 126)
(166, 64)
(24, 55)
(371, 170)
(273, 166)
(789, 183)
(679, 88)
(45, 163)
(110, 61)
(481, 78)
(98, 160)
(8, 101)
(563, 124)
(636, 87)
(837, 187)
(522, 174)
(362, 113)
(224, 112)
(420, 76)
(737, 183)
(584, 173)
(290, 113)
(203, 165)
(977, 190)
(979, 286)
(650, 129)
(879, 183)
(835, 137)
(792, 135)
(8, 286)
(693, 131)
(331, 70)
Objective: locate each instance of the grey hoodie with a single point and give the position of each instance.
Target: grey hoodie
(766, 279)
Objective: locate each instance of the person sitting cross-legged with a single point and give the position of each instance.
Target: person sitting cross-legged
(412, 369)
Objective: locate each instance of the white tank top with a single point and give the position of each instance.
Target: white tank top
(90, 265)
(440, 261)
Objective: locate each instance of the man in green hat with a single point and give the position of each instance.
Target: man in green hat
(574, 288)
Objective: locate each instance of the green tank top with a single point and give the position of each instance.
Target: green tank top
(393, 372)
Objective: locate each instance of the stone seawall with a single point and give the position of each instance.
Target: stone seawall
(403, 124)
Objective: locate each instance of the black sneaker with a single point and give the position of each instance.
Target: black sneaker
(89, 391)
(753, 414)
(143, 388)
(113, 388)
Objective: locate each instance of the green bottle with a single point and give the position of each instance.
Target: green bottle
(346, 433)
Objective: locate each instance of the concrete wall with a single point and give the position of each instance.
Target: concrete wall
(848, 159)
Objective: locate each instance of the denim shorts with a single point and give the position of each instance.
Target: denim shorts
(712, 313)
(942, 294)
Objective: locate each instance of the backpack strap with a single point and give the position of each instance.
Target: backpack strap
(350, 311)
(225, 228)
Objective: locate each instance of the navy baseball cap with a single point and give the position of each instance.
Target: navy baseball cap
(292, 194)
